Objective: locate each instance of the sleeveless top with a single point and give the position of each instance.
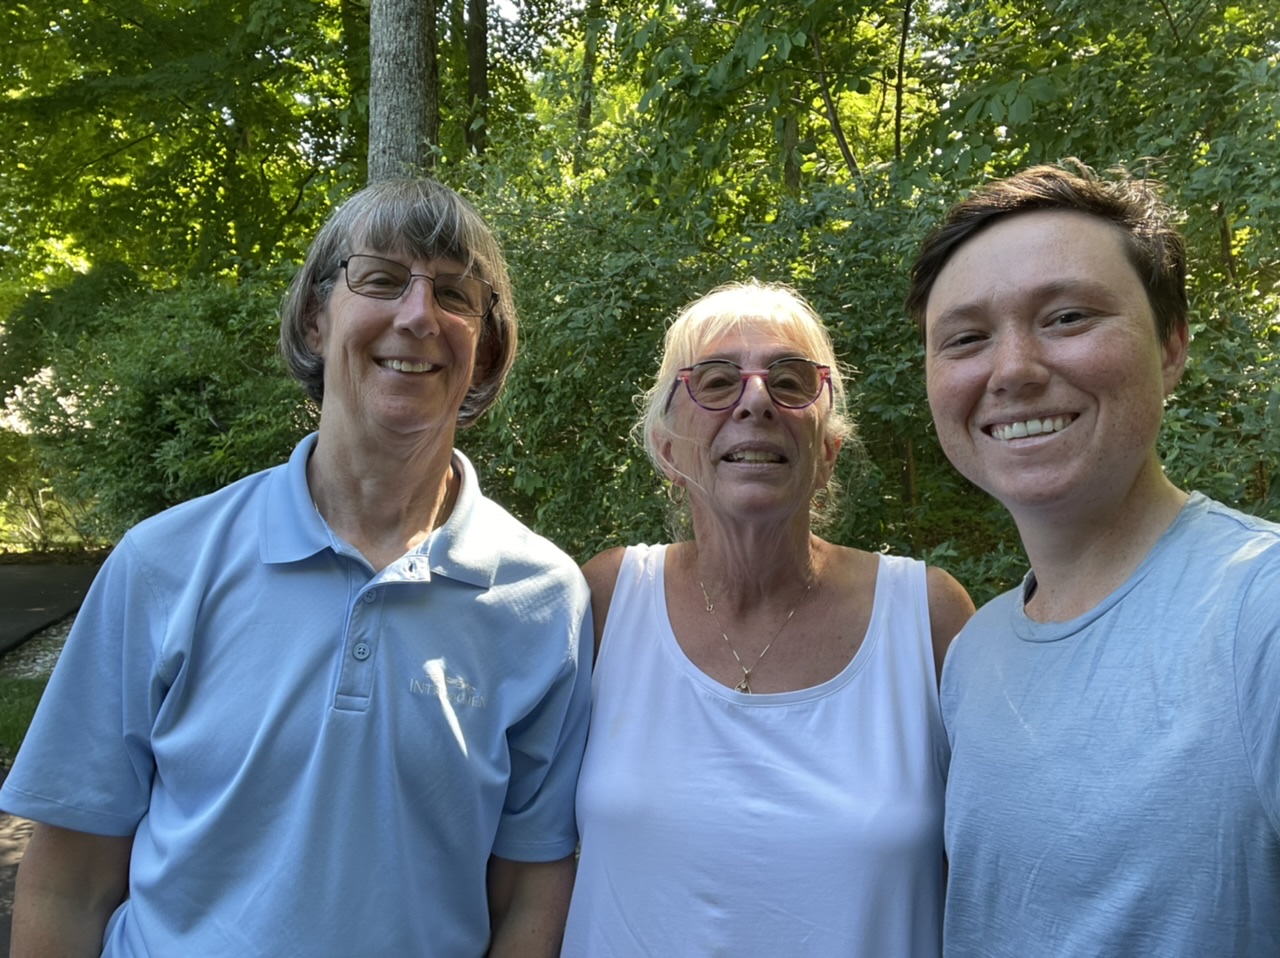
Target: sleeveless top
(784, 825)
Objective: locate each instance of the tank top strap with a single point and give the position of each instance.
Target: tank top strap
(635, 607)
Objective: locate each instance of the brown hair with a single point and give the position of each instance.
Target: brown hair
(1155, 247)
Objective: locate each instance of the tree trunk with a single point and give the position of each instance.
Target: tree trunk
(432, 102)
(397, 88)
(477, 72)
(790, 141)
(587, 91)
(833, 117)
(1226, 244)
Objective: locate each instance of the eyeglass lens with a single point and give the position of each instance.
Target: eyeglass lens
(719, 384)
(381, 278)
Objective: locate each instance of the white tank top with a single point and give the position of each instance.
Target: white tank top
(784, 825)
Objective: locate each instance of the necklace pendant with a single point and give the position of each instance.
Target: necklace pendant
(745, 685)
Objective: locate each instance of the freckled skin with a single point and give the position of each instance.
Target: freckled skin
(1043, 315)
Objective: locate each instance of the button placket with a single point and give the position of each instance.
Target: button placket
(355, 681)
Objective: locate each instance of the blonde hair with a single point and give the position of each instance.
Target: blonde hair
(733, 308)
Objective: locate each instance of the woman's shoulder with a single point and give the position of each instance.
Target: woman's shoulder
(942, 586)
(601, 572)
(841, 562)
(949, 604)
(602, 569)
(950, 607)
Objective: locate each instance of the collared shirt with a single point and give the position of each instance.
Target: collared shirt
(315, 759)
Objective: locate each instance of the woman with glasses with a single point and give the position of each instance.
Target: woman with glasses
(764, 771)
(336, 708)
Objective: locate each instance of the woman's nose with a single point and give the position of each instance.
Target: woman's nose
(756, 400)
(417, 307)
(1017, 361)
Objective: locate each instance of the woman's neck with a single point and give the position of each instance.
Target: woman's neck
(747, 565)
(1079, 561)
(369, 503)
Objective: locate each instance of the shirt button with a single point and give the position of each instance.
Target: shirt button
(371, 595)
(361, 651)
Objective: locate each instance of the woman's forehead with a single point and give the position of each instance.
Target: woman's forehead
(408, 257)
(750, 335)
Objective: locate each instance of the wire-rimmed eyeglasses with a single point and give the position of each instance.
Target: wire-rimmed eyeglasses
(718, 384)
(380, 278)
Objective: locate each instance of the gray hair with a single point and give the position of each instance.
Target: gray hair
(414, 217)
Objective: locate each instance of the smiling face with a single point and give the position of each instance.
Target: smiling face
(1046, 378)
(757, 460)
(394, 368)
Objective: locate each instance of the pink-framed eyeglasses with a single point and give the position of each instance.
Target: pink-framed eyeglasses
(719, 384)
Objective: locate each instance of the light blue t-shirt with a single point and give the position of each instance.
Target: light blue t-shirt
(315, 760)
(1114, 787)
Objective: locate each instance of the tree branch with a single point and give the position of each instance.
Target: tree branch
(899, 85)
(830, 105)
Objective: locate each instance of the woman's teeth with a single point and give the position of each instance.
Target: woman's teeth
(1029, 427)
(400, 366)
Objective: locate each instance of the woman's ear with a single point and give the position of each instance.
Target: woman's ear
(1173, 358)
(663, 444)
(311, 325)
(830, 452)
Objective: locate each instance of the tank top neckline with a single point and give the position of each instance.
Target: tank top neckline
(685, 665)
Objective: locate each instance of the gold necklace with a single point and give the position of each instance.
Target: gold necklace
(745, 684)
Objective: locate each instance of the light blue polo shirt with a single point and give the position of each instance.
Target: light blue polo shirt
(315, 760)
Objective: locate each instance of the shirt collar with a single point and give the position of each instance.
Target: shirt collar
(464, 548)
(291, 527)
(461, 549)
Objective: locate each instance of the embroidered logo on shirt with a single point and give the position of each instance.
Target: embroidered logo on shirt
(451, 691)
(441, 684)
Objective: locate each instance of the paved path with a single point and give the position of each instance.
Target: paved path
(32, 597)
(38, 595)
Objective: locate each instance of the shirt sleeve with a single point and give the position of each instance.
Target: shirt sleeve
(86, 762)
(546, 746)
(1257, 670)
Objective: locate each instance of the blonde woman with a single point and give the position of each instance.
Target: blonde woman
(765, 765)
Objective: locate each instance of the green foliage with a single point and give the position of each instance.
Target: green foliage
(175, 394)
(46, 318)
(177, 138)
(32, 516)
(1222, 432)
(810, 141)
(18, 701)
(750, 99)
(601, 296)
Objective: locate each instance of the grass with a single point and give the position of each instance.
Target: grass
(18, 701)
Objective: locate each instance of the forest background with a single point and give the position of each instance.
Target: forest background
(165, 162)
